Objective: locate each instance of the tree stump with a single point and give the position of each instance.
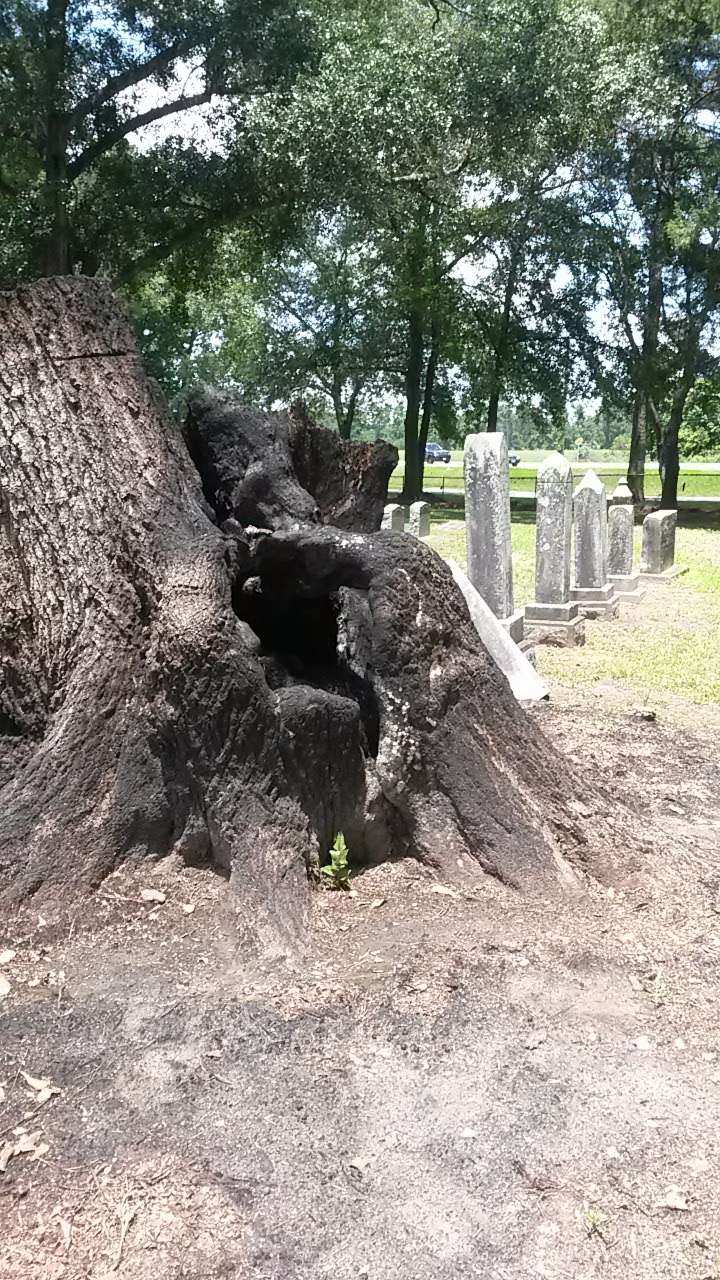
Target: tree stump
(194, 659)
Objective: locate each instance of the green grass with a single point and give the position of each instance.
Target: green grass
(664, 652)
(694, 483)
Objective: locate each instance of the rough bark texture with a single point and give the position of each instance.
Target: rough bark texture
(174, 679)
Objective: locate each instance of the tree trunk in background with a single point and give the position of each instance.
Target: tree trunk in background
(636, 463)
(343, 425)
(196, 663)
(501, 344)
(57, 252)
(670, 451)
(412, 485)
(670, 461)
(428, 393)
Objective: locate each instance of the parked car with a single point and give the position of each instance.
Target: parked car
(436, 452)
(514, 459)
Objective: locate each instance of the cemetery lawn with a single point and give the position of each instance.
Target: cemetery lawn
(663, 653)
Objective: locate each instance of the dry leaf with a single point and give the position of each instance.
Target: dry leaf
(45, 1095)
(26, 1142)
(6, 1151)
(674, 1198)
(188, 908)
(377, 902)
(446, 890)
(7, 956)
(152, 895)
(5, 987)
(40, 1150)
(66, 1228)
(35, 1082)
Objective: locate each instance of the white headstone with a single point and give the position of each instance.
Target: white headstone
(487, 524)
(552, 618)
(393, 517)
(420, 519)
(592, 591)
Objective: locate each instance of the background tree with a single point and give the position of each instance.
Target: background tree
(328, 321)
(700, 430)
(77, 81)
(653, 202)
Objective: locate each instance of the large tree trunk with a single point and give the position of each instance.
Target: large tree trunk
(200, 663)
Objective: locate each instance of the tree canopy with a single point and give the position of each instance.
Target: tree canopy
(451, 213)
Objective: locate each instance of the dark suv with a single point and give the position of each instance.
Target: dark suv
(514, 459)
(436, 452)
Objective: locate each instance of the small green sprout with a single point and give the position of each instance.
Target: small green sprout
(337, 869)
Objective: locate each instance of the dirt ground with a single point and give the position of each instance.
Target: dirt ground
(439, 1085)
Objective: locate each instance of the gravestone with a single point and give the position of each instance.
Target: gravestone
(393, 517)
(657, 561)
(621, 529)
(592, 591)
(420, 519)
(487, 523)
(553, 618)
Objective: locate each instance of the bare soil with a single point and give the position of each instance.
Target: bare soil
(442, 1084)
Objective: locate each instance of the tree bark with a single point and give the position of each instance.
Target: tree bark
(194, 661)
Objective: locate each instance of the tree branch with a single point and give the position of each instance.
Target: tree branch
(126, 79)
(109, 140)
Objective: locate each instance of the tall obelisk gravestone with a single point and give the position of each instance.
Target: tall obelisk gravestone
(553, 618)
(487, 524)
(593, 591)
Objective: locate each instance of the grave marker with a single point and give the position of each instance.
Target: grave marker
(592, 591)
(487, 521)
(553, 617)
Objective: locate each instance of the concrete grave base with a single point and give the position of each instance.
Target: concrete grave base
(627, 587)
(556, 624)
(597, 602)
(515, 625)
(666, 576)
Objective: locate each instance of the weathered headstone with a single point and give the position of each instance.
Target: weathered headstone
(487, 522)
(657, 561)
(553, 618)
(621, 529)
(592, 591)
(393, 517)
(420, 519)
